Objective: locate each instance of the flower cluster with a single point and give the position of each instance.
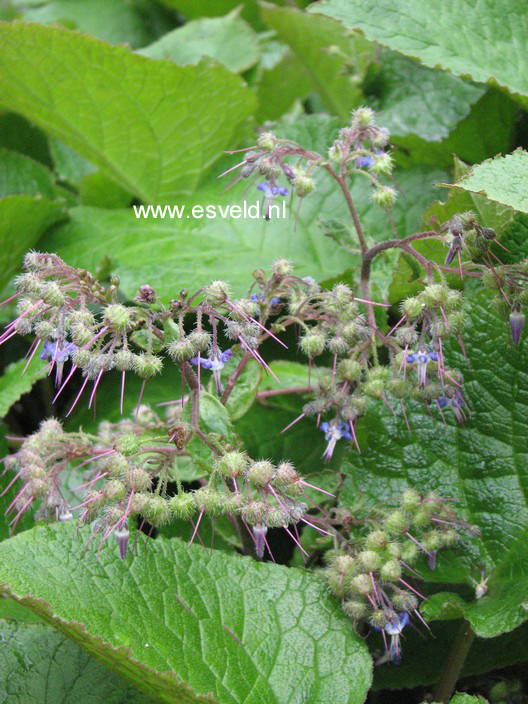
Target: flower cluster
(367, 572)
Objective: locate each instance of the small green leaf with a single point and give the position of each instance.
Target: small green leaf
(228, 40)
(186, 624)
(245, 390)
(502, 180)
(214, 418)
(489, 49)
(13, 385)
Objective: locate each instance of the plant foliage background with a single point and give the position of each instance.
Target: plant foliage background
(104, 105)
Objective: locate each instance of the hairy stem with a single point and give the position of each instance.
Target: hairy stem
(454, 663)
(234, 377)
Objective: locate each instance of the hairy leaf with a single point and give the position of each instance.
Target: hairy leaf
(490, 48)
(188, 625)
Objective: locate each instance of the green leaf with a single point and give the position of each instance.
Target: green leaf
(11, 610)
(489, 49)
(13, 385)
(229, 40)
(463, 698)
(225, 625)
(334, 60)
(23, 219)
(280, 83)
(482, 464)
(101, 192)
(502, 180)
(38, 664)
(116, 22)
(20, 175)
(142, 122)
(416, 100)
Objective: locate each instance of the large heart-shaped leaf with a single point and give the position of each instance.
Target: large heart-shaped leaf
(185, 625)
(143, 122)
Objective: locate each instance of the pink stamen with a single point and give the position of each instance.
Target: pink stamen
(64, 384)
(196, 528)
(421, 619)
(413, 590)
(12, 504)
(312, 525)
(353, 431)
(397, 325)
(418, 543)
(311, 486)
(24, 507)
(8, 300)
(373, 303)
(140, 396)
(95, 388)
(78, 397)
(296, 541)
(405, 416)
(292, 423)
(374, 588)
(20, 471)
(268, 547)
(82, 486)
(122, 392)
(232, 168)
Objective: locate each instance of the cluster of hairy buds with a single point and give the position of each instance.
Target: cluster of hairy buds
(130, 465)
(369, 573)
(37, 466)
(360, 148)
(464, 235)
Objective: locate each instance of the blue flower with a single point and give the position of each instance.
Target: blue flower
(394, 629)
(421, 358)
(363, 162)
(455, 404)
(215, 362)
(260, 298)
(272, 191)
(52, 351)
(334, 431)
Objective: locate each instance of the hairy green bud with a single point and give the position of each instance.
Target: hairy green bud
(261, 473)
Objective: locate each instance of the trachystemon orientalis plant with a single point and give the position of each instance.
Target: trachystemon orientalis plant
(82, 330)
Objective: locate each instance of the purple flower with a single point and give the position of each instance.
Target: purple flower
(259, 533)
(260, 298)
(394, 629)
(334, 431)
(455, 404)
(215, 362)
(517, 320)
(421, 358)
(61, 354)
(271, 191)
(363, 162)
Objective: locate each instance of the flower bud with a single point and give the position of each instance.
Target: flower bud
(382, 164)
(285, 475)
(349, 370)
(517, 320)
(378, 619)
(282, 267)
(276, 518)
(312, 344)
(137, 503)
(354, 609)
(217, 293)
(117, 466)
(137, 480)
(38, 487)
(261, 473)
(43, 330)
(214, 503)
(124, 360)
(266, 140)
(51, 294)
(410, 552)
(412, 307)
(435, 295)
(117, 317)
(114, 490)
(303, 185)
(404, 601)
(391, 571)
(396, 523)
(80, 334)
(376, 540)
(127, 444)
(411, 500)
(232, 464)
(384, 196)
(122, 535)
(362, 117)
(200, 340)
(181, 350)
(147, 365)
(23, 326)
(157, 511)
(361, 584)
(183, 506)
(369, 560)
(254, 512)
